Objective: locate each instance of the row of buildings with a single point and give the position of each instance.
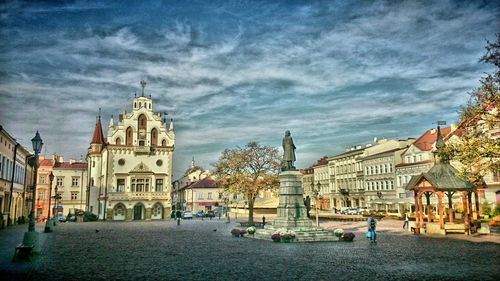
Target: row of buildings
(376, 175)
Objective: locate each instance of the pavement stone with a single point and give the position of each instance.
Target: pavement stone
(205, 250)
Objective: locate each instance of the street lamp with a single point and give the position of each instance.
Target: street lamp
(30, 238)
(56, 197)
(315, 195)
(48, 223)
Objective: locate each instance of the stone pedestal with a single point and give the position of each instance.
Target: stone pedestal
(292, 214)
(291, 210)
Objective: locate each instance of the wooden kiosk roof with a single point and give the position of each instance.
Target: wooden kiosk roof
(443, 177)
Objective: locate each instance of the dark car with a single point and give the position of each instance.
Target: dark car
(200, 214)
(210, 214)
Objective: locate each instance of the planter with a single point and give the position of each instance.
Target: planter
(287, 240)
(347, 239)
(276, 240)
(236, 235)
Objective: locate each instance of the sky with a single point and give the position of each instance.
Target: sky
(334, 73)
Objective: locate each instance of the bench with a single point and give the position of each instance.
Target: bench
(454, 228)
(23, 252)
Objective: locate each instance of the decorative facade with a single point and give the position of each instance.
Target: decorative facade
(131, 170)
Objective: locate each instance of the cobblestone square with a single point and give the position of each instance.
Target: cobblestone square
(205, 250)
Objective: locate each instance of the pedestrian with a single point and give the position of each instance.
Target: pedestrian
(405, 225)
(372, 226)
(307, 203)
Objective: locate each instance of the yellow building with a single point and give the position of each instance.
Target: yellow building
(70, 182)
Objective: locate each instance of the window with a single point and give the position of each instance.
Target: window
(59, 181)
(75, 181)
(74, 195)
(235, 196)
(93, 163)
(200, 195)
(419, 157)
(120, 185)
(159, 185)
(140, 185)
(209, 196)
(414, 158)
(41, 180)
(92, 181)
(220, 195)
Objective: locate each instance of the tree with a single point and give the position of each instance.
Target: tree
(248, 171)
(478, 152)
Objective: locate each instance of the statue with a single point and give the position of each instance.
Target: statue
(288, 153)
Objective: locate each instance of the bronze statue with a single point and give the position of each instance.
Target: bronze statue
(288, 153)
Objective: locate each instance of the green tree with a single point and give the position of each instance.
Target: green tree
(248, 170)
(479, 152)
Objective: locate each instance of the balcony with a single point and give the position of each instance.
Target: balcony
(139, 195)
(141, 149)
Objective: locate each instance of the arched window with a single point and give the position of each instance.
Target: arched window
(118, 141)
(142, 121)
(129, 136)
(164, 143)
(154, 137)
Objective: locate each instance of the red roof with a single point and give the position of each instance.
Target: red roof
(425, 141)
(206, 182)
(46, 162)
(98, 137)
(72, 166)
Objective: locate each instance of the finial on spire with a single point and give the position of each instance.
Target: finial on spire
(192, 163)
(135, 94)
(99, 113)
(143, 85)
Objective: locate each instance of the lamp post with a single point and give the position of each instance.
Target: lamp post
(49, 223)
(31, 236)
(315, 195)
(56, 198)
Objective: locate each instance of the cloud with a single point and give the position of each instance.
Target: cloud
(335, 73)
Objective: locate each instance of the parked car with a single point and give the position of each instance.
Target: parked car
(187, 215)
(210, 214)
(363, 210)
(200, 214)
(343, 210)
(352, 211)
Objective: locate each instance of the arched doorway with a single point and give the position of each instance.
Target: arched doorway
(119, 212)
(118, 141)
(138, 211)
(164, 143)
(157, 212)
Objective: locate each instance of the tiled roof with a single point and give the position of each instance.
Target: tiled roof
(98, 137)
(443, 177)
(206, 182)
(72, 166)
(46, 162)
(425, 141)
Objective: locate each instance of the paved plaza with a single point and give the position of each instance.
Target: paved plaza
(205, 250)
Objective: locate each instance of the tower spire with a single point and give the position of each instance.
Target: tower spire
(98, 137)
(143, 85)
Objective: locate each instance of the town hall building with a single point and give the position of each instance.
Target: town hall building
(130, 171)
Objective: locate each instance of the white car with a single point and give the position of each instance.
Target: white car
(187, 215)
(352, 211)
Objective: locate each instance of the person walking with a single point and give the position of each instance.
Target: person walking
(372, 226)
(405, 225)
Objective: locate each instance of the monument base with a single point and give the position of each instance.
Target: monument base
(292, 213)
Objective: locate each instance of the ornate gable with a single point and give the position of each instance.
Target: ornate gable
(141, 168)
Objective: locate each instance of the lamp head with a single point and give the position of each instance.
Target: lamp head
(51, 176)
(37, 143)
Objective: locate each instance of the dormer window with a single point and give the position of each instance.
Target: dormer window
(149, 106)
(135, 105)
(140, 105)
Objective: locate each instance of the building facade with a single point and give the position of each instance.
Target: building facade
(131, 170)
(43, 190)
(70, 183)
(13, 170)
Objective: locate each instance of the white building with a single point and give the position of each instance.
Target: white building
(131, 171)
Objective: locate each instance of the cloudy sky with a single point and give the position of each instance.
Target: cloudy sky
(335, 73)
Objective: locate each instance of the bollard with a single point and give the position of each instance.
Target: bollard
(178, 221)
(263, 221)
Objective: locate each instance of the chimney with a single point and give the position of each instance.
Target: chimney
(120, 117)
(72, 161)
(433, 131)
